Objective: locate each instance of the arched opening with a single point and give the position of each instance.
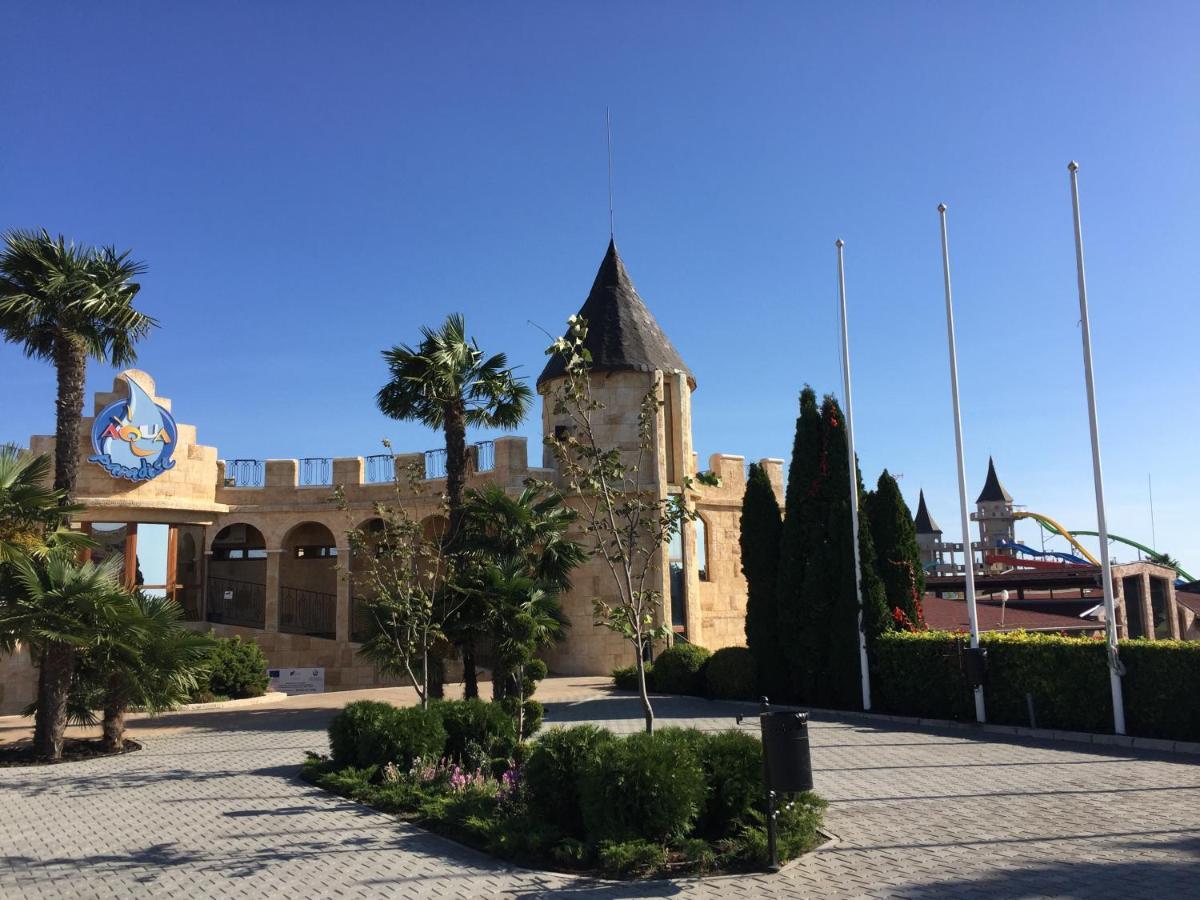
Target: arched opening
(434, 528)
(235, 592)
(308, 582)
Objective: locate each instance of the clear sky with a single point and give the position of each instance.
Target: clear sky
(311, 182)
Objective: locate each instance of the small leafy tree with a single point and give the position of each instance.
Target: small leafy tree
(761, 526)
(405, 581)
(621, 509)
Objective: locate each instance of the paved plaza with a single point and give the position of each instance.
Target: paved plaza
(212, 807)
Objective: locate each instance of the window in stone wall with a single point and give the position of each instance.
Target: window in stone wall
(702, 547)
(314, 551)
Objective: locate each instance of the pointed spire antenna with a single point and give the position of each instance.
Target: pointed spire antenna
(608, 122)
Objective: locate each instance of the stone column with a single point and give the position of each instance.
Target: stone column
(1148, 607)
(1172, 608)
(343, 596)
(274, 558)
(693, 611)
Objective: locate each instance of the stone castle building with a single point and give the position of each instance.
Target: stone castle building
(256, 547)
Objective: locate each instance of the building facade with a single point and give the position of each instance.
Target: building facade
(258, 548)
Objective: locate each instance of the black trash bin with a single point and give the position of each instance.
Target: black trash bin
(787, 762)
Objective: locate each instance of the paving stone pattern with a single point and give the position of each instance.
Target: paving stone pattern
(212, 807)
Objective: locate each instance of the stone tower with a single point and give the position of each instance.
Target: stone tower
(994, 513)
(630, 355)
(929, 535)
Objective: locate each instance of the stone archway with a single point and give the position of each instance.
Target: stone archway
(308, 581)
(235, 586)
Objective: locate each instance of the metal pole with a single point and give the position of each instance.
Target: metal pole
(1110, 616)
(848, 412)
(968, 554)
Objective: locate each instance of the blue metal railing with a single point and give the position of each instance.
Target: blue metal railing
(316, 470)
(245, 473)
(381, 468)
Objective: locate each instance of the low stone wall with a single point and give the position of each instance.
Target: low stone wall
(17, 679)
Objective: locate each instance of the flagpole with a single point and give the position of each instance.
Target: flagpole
(849, 414)
(1110, 624)
(968, 554)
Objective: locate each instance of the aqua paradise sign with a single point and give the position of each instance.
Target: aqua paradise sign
(134, 438)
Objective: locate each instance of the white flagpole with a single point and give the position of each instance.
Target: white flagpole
(849, 414)
(1110, 616)
(968, 554)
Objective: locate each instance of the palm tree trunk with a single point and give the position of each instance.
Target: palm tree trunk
(70, 363)
(54, 685)
(456, 481)
(116, 705)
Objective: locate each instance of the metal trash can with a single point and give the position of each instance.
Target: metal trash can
(976, 665)
(787, 762)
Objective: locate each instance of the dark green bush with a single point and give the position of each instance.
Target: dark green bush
(554, 772)
(476, 731)
(647, 786)
(370, 733)
(733, 767)
(626, 678)
(922, 674)
(239, 669)
(678, 669)
(798, 827)
(630, 859)
(730, 674)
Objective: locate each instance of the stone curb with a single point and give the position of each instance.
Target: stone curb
(1124, 741)
(264, 700)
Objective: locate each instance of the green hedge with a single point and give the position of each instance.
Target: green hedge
(238, 669)
(730, 675)
(923, 674)
(680, 669)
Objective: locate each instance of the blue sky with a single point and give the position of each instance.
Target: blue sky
(312, 182)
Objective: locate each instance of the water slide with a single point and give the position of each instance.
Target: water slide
(1054, 528)
(1050, 525)
(1043, 554)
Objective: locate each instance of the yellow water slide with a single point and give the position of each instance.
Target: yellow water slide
(1054, 526)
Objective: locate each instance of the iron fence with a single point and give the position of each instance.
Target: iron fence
(316, 470)
(310, 613)
(245, 473)
(485, 456)
(381, 468)
(237, 603)
(435, 464)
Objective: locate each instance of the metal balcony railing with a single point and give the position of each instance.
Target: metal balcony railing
(381, 468)
(245, 473)
(237, 602)
(435, 464)
(485, 456)
(310, 613)
(316, 470)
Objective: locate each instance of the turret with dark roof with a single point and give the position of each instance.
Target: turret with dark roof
(622, 334)
(993, 491)
(923, 520)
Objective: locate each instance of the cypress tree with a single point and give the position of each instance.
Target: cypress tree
(898, 558)
(830, 674)
(760, 528)
(785, 678)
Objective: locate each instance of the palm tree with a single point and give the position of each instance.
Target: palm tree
(60, 608)
(155, 665)
(521, 546)
(446, 382)
(65, 304)
(30, 511)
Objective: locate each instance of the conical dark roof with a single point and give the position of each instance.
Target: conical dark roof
(622, 334)
(993, 490)
(924, 521)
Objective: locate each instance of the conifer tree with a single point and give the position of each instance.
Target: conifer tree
(898, 558)
(829, 672)
(761, 526)
(799, 526)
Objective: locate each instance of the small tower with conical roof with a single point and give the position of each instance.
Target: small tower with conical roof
(631, 355)
(929, 535)
(994, 513)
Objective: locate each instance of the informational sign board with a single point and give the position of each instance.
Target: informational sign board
(297, 681)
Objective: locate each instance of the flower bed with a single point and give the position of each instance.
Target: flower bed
(675, 802)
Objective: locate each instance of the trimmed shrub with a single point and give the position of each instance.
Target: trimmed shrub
(239, 669)
(922, 674)
(629, 859)
(626, 678)
(648, 786)
(729, 674)
(476, 731)
(370, 733)
(677, 670)
(733, 766)
(553, 774)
